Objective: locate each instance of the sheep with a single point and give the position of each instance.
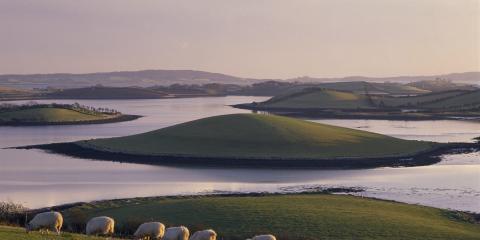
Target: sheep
(204, 235)
(263, 237)
(150, 230)
(46, 220)
(176, 233)
(100, 225)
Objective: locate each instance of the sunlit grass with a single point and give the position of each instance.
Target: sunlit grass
(259, 136)
(307, 216)
(16, 233)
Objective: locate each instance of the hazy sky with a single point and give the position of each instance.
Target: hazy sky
(249, 38)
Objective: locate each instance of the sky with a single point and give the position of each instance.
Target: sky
(246, 38)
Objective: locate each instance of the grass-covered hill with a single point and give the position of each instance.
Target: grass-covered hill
(48, 114)
(431, 100)
(298, 216)
(441, 85)
(258, 136)
(373, 88)
(465, 100)
(327, 99)
(100, 92)
(319, 98)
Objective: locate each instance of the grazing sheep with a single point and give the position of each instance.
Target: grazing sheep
(100, 226)
(150, 230)
(204, 235)
(263, 237)
(46, 220)
(176, 233)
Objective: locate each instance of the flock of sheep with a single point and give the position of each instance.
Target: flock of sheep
(105, 226)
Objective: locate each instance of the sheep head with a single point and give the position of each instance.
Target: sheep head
(28, 227)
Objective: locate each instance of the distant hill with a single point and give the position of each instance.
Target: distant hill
(145, 78)
(440, 84)
(467, 77)
(7, 92)
(149, 78)
(100, 92)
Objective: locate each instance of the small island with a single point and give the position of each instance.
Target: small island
(258, 140)
(341, 104)
(34, 114)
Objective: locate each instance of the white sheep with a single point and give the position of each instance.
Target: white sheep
(263, 237)
(100, 226)
(46, 220)
(176, 233)
(150, 230)
(204, 235)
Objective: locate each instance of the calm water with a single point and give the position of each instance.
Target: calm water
(38, 179)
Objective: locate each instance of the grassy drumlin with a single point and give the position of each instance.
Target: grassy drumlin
(258, 140)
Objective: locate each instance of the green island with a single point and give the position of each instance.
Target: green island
(258, 140)
(328, 103)
(294, 216)
(58, 114)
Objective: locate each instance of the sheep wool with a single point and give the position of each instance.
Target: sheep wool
(264, 237)
(100, 226)
(46, 220)
(151, 230)
(204, 235)
(176, 233)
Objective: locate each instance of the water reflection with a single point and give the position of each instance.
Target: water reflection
(40, 179)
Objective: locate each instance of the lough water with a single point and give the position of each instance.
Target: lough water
(39, 179)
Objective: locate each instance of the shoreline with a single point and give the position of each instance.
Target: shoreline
(120, 99)
(121, 118)
(319, 190)
(424, 158)
(338, 191)
(328, 190)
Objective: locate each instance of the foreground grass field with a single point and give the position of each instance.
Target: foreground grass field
(259, 136)
(16, 233)
(300, 216)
